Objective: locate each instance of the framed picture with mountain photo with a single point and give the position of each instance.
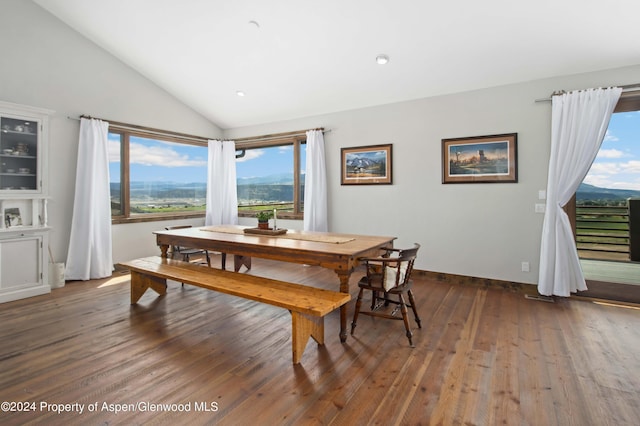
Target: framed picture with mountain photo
(480, 159)
(366, 165)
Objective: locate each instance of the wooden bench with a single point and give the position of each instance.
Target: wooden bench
(307, 305)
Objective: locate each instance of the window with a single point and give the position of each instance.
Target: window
(270, 174)
(155, 176)
(163, 175)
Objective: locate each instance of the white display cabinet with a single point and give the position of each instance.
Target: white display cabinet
(24, 230)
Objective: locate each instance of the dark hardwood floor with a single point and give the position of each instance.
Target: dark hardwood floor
(484, 356)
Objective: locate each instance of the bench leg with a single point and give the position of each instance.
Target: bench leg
(141, 282)
(303, 327)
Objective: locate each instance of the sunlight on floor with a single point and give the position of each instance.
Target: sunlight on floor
(115, 280)
(616, 305)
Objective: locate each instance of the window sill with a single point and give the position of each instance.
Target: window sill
(157, 218)
(154, 218)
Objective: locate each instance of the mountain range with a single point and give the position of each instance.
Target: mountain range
(590, 192)
(361, 163)
(275, 179)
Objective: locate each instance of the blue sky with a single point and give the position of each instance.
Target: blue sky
(272, 161)
(152, 160)
(618, 162)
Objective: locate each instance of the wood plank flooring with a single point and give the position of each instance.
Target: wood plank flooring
(483, 357)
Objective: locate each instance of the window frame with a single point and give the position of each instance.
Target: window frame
(126, 131)
(295, 139)
(629, 101)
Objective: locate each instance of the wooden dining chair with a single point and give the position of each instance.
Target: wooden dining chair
(389, 280)
(187, 252)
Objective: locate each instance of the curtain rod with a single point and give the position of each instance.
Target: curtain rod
(147, 130)
(278, 135)
(127, 126)
(628, 88)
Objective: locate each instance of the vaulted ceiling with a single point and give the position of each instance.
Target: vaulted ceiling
(297, 58)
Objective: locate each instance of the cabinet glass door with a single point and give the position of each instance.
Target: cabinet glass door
(18, 154)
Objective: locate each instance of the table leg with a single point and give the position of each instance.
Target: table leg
(238, 261)
(344, 288)
(164, 248)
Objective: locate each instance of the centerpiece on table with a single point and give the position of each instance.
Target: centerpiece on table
(263, 219)
(263, 224)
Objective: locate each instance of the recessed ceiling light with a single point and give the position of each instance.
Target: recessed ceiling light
(240, 93)
(382, 59)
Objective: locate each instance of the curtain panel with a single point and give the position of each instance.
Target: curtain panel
(222, 193)
(315, 186)
(90, 246)
(579, 121)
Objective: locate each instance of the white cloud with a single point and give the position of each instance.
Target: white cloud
(612, 181)
(631, 167)
(608, 137)
(615, 175)
(610, 153)
(161, 156)
(601, 181)
(605, 169)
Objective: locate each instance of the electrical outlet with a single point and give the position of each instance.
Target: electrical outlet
(525, 266)
(540, 208)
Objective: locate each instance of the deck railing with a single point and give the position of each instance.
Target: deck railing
(602, 232)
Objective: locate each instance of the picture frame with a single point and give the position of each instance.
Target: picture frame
(480, 159)
(12, 217)
(366, 165)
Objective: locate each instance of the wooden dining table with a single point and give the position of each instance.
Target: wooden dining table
(335, 251)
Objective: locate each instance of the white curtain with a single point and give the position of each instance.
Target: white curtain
(315, 185)
(579, 121)
(90, 249)
(222, 193)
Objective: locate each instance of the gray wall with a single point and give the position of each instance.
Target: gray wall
(46, 64)
(482, 230)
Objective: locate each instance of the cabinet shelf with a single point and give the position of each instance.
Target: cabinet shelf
(15, 132)
(32, 157)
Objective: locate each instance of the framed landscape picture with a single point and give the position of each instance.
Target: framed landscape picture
(366, 165)
(480, 159)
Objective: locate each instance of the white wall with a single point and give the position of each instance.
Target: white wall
(46, 64)
(480, 230)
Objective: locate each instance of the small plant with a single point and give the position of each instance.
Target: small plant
(264, 215)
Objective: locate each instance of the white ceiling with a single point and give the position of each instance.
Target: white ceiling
(314, 57)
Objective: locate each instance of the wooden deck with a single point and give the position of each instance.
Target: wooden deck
(483, 357)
